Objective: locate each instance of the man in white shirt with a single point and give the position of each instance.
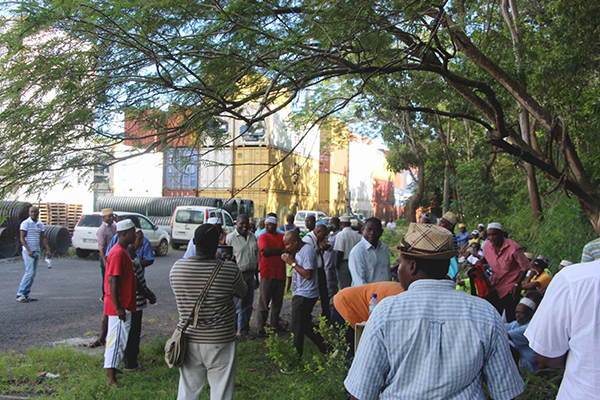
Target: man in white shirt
(245, 251)
(344, 243)
(369, 260)
(32, 236)
(316, 239)
(565, 330)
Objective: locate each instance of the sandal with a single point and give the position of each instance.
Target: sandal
(96, 343)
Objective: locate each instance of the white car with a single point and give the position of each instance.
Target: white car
(186, 219)
(302, 214)
(84, 236)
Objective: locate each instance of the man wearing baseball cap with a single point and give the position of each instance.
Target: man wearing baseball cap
(120, 287)
(509, 266)
(432, 341)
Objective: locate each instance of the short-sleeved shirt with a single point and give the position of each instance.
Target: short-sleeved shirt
(506, 265)
(105, 233)
(518, 340)
(144, 253)
(568, 320)
(311, 239)
(346, 240)
(352, 303)
(368, 264)
(245, 250)
(433, 342)
(271, 267)
(34, 230)
(330, 255)
(591, 251)
(118, 263)
(544, 279)
(216, 319)
(462, 237)
(306, 257)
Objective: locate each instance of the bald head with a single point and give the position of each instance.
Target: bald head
(292, 241)
(321, 231)
(34, 213)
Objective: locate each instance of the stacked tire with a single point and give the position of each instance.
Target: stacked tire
(13, 212)
(58, 238)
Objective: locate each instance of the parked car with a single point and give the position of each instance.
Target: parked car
(84, 236)
(186, 219)
(301, 216)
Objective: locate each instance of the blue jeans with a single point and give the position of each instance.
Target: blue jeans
(30, 269)
(243, 307)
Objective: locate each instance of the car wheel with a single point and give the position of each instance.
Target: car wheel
(82, 253)
(176, 246)
(163, 248)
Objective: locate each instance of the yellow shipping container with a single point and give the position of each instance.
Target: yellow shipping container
(332, 193)
(250, 163)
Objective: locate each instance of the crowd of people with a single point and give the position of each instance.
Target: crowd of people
(456, 310)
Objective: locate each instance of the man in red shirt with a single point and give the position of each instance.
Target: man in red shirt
(120, 287)
(509, 265)
(272, 276)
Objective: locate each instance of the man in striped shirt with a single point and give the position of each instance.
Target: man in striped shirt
(211, 345)
(32, 238)
(591, 251)
(432, 341)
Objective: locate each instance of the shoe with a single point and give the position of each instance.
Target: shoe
(139, 368)
(101, 299)
(29, 298)
(22, 299)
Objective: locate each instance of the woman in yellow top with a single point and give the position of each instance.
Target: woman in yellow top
(540, 279)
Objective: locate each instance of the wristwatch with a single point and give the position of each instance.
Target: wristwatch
(294, 265)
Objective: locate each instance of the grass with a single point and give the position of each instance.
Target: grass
(82, 377)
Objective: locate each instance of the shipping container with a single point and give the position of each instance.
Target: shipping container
(380, 167)
(294, 173)
(216, 169)
(181, 169)
(332, 193)
(360, 175)
(251, 163)
(139, 175)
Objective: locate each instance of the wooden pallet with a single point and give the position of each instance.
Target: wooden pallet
(62, 214)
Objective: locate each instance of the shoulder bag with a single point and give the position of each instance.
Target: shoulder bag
(175, 346)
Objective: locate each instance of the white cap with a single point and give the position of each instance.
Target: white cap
(125, 225)
(213, 220)
(481, 226)
(495, 225)
(345, 218)
(566, 263)
(529, 303)
(475, 233)
(271, 220)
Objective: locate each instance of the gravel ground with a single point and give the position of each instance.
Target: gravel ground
(68, 306)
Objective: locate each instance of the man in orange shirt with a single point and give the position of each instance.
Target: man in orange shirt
(351, 305)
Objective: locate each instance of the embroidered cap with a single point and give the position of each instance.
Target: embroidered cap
(106, 211)
(450, 217)
(125, 225)
(427, 241)
(495, 225)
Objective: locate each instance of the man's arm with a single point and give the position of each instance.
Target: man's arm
(24, 243)
(554, 363)
(356, 270)
(272, 251)
(44, 243)
(239, 286)
(113, 284)
(305, 273)
(530, 285)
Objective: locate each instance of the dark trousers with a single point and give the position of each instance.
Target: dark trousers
(337, 321)
(270, 291)
(302, 324)
(506, 303)
(130, 359)
(103, 270)
(324, 293)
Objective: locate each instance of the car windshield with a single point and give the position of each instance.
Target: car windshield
(90, 221)
(300, 216)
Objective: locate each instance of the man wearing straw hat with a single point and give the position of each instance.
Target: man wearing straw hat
(432, 341)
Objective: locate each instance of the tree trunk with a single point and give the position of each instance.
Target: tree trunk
(416, 198)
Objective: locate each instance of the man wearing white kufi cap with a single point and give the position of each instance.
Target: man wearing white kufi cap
(509, 266)
(432, 341)
(516, 332)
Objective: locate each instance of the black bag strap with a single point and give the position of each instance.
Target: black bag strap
(194, 315)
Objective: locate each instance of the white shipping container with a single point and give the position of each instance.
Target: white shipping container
(141, 175)
(360, 176)
(216, 168)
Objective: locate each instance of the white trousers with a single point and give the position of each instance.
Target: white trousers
(116, 340)
(216, 362)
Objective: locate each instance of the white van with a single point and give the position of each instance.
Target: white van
(302, 214)
(186, 219)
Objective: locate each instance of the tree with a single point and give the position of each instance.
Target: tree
(206, 59)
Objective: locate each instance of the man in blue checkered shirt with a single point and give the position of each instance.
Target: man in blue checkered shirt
(432, 341)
